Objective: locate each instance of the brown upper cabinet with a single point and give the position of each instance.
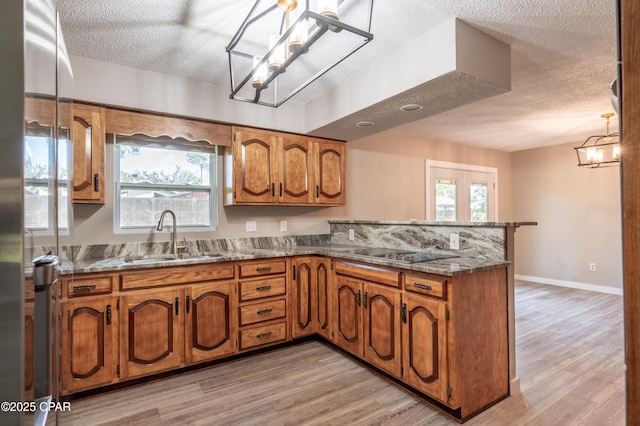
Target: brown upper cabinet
(264, 167)
(88, 138)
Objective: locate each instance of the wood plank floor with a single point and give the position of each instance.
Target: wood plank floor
(570, 362)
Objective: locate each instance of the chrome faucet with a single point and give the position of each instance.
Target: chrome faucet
(174, 242)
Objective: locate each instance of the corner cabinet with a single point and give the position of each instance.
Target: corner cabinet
(311, 297)
(269, 168)
(88, 136)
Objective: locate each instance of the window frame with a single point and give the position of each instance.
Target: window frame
(53, 182)
(212, 189)
(464, 168)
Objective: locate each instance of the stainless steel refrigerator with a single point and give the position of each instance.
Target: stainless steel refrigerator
(35, 93)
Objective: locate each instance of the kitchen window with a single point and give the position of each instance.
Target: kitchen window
(156, 174)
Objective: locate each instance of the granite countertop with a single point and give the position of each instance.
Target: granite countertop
(434, 223)
(449, 266)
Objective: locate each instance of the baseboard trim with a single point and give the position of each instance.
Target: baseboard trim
(570, 284)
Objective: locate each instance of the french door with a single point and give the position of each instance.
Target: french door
(461, 192)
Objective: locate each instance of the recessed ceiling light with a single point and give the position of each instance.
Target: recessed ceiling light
(410, 107)
(364, 124)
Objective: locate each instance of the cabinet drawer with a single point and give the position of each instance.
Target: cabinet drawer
(89, 286)
(265, 267)
(259, 336)
(262, 312)
(430, 285)
(178, 275)
(369, 273)
(257, 289)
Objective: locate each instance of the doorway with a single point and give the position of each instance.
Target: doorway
(461, 192)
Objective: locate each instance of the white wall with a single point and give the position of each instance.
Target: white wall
(579, 220)
(386, 174)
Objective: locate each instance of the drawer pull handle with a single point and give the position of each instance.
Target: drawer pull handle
(263, 288)
(263, 335)
(423, 286)
(264, 311)
(84, 287)
(263, 269)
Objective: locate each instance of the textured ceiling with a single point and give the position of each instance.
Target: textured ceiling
(563, 57)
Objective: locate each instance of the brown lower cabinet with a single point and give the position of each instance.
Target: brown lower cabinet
(368, 322)
(29, 339)
(210, 326)
(89, 343)
(445, 337)
(311, 300)
(151, 332)
(424, 334)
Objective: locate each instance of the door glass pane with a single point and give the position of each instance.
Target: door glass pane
(478, 193)
(445, 200)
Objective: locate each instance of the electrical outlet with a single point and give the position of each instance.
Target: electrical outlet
(352, 235)
(283, 226)
(454, 241)
(593, 267)
(251, 226)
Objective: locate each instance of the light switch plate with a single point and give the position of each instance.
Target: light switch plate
(251, 226)
(454, 241)
(283, 226)
(352, 235)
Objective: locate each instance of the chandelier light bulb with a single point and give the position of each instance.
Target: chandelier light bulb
(277, 57)
(298, 36)
(328, 8)
(260, 74)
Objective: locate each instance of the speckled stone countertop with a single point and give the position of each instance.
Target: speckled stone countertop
(449, 267)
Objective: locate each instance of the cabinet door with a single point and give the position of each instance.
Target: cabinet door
(348, 315)
(425, 346)
(303, 297)
(89, 343)
(88, 154)
(210, 322)
(29, 346)
(151, 332)
(330, 173)
(323, 301)
(255, 166)
(295, 171)
(382, 328)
